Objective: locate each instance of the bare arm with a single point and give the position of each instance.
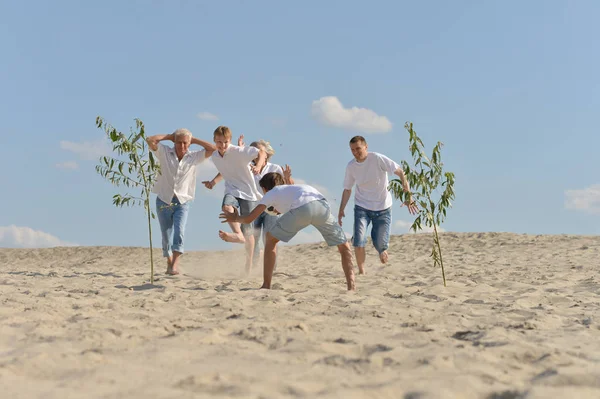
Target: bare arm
(154, 140)
(213, 182)
(262, 159)
(234, 217)
(208, 147)
(287, 175)
(412, 207)
(345, 198)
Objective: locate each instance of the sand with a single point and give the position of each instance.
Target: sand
(520, 318)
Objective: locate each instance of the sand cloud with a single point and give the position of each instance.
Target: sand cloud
(585, 200)
(329, 111)
(25, 237)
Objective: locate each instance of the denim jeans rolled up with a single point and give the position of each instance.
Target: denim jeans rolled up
(172, 219)
(380, 232)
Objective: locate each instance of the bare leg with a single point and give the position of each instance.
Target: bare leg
(249, 252)
(169, 265)
(236, 236)
(269, 261)
(361, 256)
(346, 254)
(383, 257)
(174, 265)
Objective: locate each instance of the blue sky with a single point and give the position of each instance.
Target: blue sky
(511, 87)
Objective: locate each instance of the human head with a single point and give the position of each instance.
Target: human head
(222, 138)
(265, 146)
(359, 147)
(182, 139)
(271, 180)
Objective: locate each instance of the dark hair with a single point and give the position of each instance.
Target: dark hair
(357, 139)
(271, 180)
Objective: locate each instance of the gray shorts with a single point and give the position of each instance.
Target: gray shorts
(244, 208)
(315, 213)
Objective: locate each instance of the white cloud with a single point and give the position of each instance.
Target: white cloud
(87, 150)
(330, 112)
(585, 200)
(207, 116)
(25, 237)
(67, 165)
(402, 226)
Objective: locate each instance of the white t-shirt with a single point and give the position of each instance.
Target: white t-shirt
(371, 179)
(176, 177)
(235, 169)
(269, 167)
(287, 197)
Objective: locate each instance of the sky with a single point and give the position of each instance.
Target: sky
(511, 88)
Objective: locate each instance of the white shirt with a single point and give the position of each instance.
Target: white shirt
(235, 169)
(287, 197)
(269, 167)
(176, 177)
(371, 179)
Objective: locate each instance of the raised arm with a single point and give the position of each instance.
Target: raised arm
(287, 175)
(234, 217)
(345, 198)
(208, 147)
(262, 159)
(154, 140)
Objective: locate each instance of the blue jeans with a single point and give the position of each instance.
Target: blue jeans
(172, 219)
(380, 232)
(265, 222)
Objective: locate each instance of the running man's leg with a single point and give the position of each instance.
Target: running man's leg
(180, 216)
(359, 237)
(380, 233)
(164, 213)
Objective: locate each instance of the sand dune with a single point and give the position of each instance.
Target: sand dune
(520, 318)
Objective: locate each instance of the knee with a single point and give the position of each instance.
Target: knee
(270, 242)
(344, 250)
(227, 208)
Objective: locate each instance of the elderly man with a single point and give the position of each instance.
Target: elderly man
(175, 188)
(372, 200)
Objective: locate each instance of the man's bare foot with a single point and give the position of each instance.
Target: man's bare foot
(265, 287)
(361, 270)
(351, 285)
(383, 257)
(231, 237)
(172, 272)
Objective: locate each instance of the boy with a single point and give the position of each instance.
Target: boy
(299, 207)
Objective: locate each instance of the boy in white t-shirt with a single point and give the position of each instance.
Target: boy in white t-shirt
(372, 200)
(241, 191)
(299, 206)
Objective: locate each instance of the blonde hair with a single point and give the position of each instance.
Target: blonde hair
(266, 145)
(223, 131)
(182, 133)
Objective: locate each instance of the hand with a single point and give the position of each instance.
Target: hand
(241, 141)
(287, 173)
(340, 216)
(171, 137)
(209, 184)
(255, 169)
(229, 216)
(412, 206)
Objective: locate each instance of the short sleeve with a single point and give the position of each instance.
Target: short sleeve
(349, 178)
(160, 152)
(250, 152)
(266, 199)
(198, 156)
(386, 164)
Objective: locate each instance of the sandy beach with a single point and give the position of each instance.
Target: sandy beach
(520, 318)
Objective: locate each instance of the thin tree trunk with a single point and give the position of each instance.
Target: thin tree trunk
(437, 242)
